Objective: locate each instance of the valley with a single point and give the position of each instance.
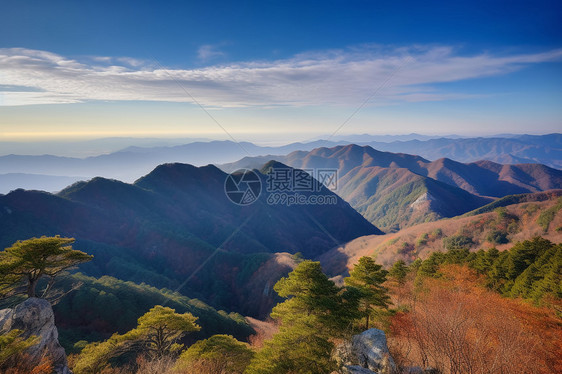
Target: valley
(174, 237)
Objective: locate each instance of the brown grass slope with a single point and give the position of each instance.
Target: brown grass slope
(537, 214)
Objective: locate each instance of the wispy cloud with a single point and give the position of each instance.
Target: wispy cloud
(208, 52)
(338, 77)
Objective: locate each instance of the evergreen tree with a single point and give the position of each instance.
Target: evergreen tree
(26, 262)
(367, 277)
(398, 271)
(218, 354)
(315, 312)
(161, 328)
(157, 335)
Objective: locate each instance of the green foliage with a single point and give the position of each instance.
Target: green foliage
(11, 345)
(310, 292)
(497, 237)
(422, 240)
(437, 233)
(406, 248)
(157, 334)
(458, 242)
(96, 356)
(390, 210)
(106, 305)
(161, 328)
(501, 212)
(510, 200)
(295, 349)
(24, 263)
(297, 257)
(547, 216)
(415, 266)
(217, 354)
(531, 269)
(367, 277)
(430, 266)
(315, 312)
(398, 271)
(484, 260)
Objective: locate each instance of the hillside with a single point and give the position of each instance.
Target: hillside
(396, 190)
(532, 215)
(177, 223)
(396, 197)
(103, 306)
(484, 178)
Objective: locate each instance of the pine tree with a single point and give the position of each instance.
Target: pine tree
(161, 328)
(398, 271)
(315, 312)
(27, 261)
(156, 335)
(217, 354)
(367, 277)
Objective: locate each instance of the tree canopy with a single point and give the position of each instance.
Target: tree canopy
(161, 328)
(157, 334)
(24, 263)
(367, 277)
(315, 312)
(12, 344)
(399, 271)
(531, 269)
(215, 355)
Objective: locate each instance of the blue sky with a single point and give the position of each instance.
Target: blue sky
(287, 70)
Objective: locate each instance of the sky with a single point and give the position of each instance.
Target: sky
(278, 70)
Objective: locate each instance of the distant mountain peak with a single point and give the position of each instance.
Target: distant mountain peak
(273, 164)
(179, 173)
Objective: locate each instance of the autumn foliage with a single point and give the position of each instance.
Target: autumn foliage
(454, 324)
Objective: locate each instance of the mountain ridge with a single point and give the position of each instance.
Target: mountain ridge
(384, 185)
(164, 227)
(131, 162)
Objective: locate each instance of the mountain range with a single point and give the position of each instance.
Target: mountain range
(131, 162)
(176, 227)
(176, 224)
(395, 190)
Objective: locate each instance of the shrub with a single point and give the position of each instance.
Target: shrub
(497, 237)
(458, 242)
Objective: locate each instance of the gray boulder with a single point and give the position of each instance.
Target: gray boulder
(355, 369)
(35, 317)
(367, 350)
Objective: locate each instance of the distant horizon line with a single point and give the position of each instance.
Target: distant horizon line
(208, 138)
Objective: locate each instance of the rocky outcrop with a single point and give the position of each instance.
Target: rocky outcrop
(35, 318)
(366, 353)
(355, 369)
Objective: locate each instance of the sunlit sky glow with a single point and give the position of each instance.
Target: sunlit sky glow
(278, 69)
